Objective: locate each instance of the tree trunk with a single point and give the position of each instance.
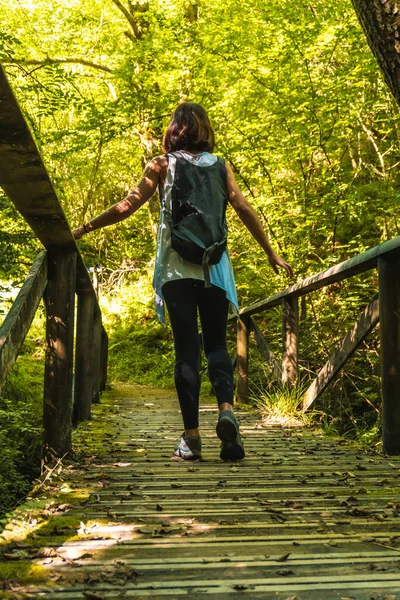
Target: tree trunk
(380, 20)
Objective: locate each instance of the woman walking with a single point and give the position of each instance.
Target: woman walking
(193, 273)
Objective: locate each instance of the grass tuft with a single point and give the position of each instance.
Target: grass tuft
(283, 406)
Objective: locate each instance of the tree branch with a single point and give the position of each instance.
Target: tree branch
(128, 17)
(56, 61)
(130, 36)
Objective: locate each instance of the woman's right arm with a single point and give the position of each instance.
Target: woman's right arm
(133, 201)
(249, 217)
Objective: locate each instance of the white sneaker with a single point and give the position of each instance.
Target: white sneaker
(189, 448)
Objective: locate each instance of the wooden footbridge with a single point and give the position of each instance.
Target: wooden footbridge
(303, 516)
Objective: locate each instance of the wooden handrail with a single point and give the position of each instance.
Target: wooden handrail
(26, 182)
(358, 264)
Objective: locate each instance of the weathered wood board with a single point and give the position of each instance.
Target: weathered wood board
(83, 358)
(290, 331)
(58, 373)
(24, 177)
(242, 359)
(389, 315)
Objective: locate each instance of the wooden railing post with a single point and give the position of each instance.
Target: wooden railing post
(389, 316)
(290, 315)
(59, 300)
(104, 359)
(96, 356)
(242, 385)
(83, 361)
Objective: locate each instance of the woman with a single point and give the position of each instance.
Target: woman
(188, 145)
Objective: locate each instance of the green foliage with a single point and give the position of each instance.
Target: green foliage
(18, 246)
(282, 406)
(140, 349)
(21, 409)
(299, 109)
(139, 355)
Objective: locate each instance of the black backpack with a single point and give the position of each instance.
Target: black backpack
(197, 219)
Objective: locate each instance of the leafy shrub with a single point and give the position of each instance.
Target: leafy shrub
(21, 409)
(142, 356)
(140, 348)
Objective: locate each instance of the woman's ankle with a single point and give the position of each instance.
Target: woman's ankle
(226, 406)
(192, 432)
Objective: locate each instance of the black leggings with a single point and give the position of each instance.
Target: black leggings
(183, 297)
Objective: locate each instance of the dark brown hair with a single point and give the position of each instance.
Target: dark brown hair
(189, 129)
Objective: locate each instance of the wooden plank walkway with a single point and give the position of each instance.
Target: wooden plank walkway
(303, 516)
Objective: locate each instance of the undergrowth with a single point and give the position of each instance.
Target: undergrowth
(138, 355)
(21, 409)
(283, 406)
(141, 350)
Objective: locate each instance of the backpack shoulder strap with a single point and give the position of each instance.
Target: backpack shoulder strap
(160, 191)
(165, 193)
(221, 161)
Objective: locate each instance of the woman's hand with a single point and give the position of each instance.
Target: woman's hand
(276, 261)
(78, 232)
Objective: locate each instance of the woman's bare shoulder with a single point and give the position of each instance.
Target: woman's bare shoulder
(160, 162)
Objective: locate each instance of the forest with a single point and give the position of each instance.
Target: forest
(302, 113)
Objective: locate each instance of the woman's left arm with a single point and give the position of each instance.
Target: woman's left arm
(133, 201)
